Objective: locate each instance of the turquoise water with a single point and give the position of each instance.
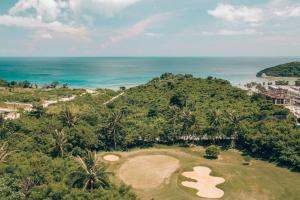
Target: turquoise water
(116, 72)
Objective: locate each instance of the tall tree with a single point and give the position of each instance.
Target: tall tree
(92, 173)
(4, 130)
(67, 117)
(4, 153)
(173, 126)
(215, 122)
(115, 126)
(233, 125)
(27, 185)
(60, 141)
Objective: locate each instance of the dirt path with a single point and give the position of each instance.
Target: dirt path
(114, 98)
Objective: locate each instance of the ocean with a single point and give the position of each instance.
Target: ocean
(113, 72)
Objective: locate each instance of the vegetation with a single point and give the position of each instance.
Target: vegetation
(281, 82)
(36, 96)
(260, 180)
(16, 84)
(171, 109)
(212, 152)
(247, 160)
(291, 69)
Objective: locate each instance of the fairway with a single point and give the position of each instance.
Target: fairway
(260, 181)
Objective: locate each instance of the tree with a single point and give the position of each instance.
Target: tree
(67, 117)
(4, 153)
(115, 126)
(92, 173)
(233, 127)
(4, 130)
(174, 119)
(65, 86)
(212, 152)
(60, 141)
(178, 100)
(54, 84)
(215, 122)
(27, 185)
(188, 119)
(247, 160)
(38, 111)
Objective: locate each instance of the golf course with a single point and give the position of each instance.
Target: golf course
(158, 173)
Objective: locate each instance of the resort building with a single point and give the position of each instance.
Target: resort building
(287, 96)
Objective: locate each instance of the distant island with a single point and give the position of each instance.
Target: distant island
(291, 69)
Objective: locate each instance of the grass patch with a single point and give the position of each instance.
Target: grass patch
(261, 180)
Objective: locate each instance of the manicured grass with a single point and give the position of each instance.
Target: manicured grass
(260, 181)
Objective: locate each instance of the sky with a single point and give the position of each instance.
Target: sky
(150, 28)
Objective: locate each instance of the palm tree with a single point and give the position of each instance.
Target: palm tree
(4, 153)
(115, 126)
(68, 118)
(4, 130)
(234, 128)
(28, 184)
(60, 141)
(215, 122)
(93, 173)
(175, 118)
(188, 120)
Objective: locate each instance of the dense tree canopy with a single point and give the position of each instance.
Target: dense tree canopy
(50, 153)
(291, 69)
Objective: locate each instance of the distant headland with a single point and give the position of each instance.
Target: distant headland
(291, 69)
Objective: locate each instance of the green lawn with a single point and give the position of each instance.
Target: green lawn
(259, 181)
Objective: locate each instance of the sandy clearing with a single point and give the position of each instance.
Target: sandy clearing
(111, 158)
(148, 172)
(206, 184)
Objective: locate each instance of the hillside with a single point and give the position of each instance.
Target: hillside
(170, 109)
(291, 69)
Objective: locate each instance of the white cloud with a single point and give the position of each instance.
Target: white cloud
(64, 16)
(48, 10)
(288, 12)
(232, 13)
(46, 36)
(107, 8)
(150, 34)
(233, 32)
(33, 23)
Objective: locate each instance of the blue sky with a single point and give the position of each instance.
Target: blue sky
(150, 28)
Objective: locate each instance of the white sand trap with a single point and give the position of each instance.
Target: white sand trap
(146, 172)
(206, 184)
(111, 158)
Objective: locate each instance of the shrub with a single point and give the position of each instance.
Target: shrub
(247, 160)
(212, 152)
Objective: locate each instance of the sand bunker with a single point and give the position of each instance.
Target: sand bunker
(111, 158)
(146, 172)
(206, 184)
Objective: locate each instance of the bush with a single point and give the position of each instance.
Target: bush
(247, 160)
(212, 152)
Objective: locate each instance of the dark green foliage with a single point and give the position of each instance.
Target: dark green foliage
(281, 83)
(16, 84)
(172, 109)
(212, 152)
(291, 69)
